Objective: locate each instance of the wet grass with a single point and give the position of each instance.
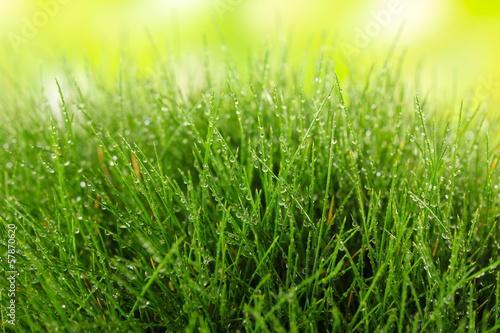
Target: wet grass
(248, 204)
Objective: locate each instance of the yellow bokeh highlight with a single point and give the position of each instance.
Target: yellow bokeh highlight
(451, 45)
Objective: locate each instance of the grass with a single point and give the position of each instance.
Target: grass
(259, 203)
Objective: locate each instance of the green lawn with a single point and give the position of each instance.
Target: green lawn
(247, 204)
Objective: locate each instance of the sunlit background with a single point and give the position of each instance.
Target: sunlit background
(452, 45)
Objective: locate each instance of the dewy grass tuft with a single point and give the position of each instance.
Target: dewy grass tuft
(274, 203)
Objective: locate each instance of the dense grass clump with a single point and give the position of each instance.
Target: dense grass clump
(248, 204)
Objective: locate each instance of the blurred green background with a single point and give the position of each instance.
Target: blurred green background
(451, 45)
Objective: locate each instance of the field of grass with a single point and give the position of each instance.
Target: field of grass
(265, 202)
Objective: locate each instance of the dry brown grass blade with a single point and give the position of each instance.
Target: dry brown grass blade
(330, 213)
(136, 167)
